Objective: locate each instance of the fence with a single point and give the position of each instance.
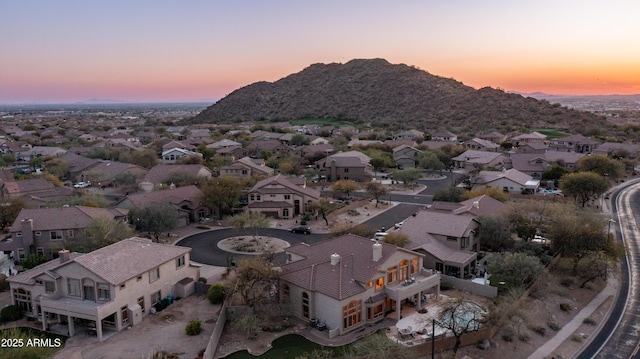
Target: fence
(212, 346)
(486, 291)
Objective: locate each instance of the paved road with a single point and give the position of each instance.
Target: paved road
(390, 217)
(206, 251)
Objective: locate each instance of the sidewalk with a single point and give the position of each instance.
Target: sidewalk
(611, 290)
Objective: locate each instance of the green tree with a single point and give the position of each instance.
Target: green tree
(145, 158)
(494, 235)
(378, 163)
(554, 173)
(429, 160)
(100, 232)
(126, 180)
(397, 239)
(322, 207)
(450, 194)
(250, 220)
(10, 210)
(222, 193)
(33, 260)
(408, 177)
(602, 165)
(215, 294)
(299, 140)
(376, 190)
(180, 178)
(515, 269)
(345, 186)
(583, 186)
(155, 219)
(492, 192)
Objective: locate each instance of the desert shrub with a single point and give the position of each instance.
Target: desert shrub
(215, 294)
(524, 337)
(566, 282)
(566, 307)
(10, 313)
(575, 337)
(353, 212)
(508, 333)
(553, 325)
(201, 226)
(539, 329)
(589, 321)
(194, 327)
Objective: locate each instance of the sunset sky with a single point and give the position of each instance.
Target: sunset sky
(152, 51)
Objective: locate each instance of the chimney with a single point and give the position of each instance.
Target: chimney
(476, 204)
(64, 255)
(377, 251)
(335, 259)
(26, 226)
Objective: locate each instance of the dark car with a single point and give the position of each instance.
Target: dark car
(301, 229)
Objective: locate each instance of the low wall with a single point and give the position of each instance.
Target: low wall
(486, 291)
(212, 346)
(447, 343)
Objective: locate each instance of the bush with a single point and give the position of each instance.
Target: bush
(553, 325)
(33, 260)
(194, 327)
(539, 329)
(215, 294)
(566, 307)
(10, 313)
(576, 337)
(524, 337)
(566, 282)
(589, 321)
(508, 333)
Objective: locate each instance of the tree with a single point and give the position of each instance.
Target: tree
(397, 239)
(554, 173)
(155, 219)
(345, 186)
(146, 158)
(583, 186)
(602, 165)
(429, 160)
(450, 194)
(376, 190)
(378, 163)
(515, 269)
(299, 140)
(126, 180)
(494, 235)
(408, 176)
(10, 210)
(461, 316)
(575, 234)
(33, 260)
(529, 218)
(322, 207)
(222, 193)
(253, 274)
(100, 232)
(250, 220)
(180, 178)
(215, 294)
(593, 266)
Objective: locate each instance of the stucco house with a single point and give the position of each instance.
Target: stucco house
(349, 282)
(105, 173)
(509, 181)
(161, 172)
(245, 168)
(44, 231)
(406, 156)
(481, 145)
(107, 290)
(473, 160)
(175, 155)
(281, 197)
(353, 165)
(574, 143)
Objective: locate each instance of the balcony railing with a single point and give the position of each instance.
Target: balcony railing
(417, 282)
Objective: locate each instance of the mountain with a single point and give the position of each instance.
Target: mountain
(393, 96)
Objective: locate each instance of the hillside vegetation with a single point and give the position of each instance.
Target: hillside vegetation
(395, 97)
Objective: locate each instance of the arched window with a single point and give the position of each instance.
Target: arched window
(351, 314)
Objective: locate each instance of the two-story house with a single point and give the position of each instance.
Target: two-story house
(44, 231)
(349, 282)
(353, 165)
(481, 145)
(574, 143)
(281, 197)
(406, 156)
(107, 290)
(175, 155)
(246, 167)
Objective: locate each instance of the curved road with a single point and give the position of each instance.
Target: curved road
(618, 337)
(206, 251)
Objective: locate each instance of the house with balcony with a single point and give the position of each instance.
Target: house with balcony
(44, 231)
(353, 165)
(349, 282)
(281, 197)
(105, 291)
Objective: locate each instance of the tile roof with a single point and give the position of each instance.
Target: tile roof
(158, 173)
(28, 185)
(174, 195)
(349, 277)
(486, 177)
(566, 157)
(437, 223)
(480, 157)
(59, 218)
(282, 184)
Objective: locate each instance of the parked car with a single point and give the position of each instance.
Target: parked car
(82, 185)
(398, 225)
(301, 229)
(379, 235)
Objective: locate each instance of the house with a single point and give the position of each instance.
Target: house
(349, 282)
(245, 168)
(39, 151)
(105, 173)
(510, 181)
(187, 201)
(176, 155)
(353, 165)
(107, 290)
(158, 174)
(324, 149)
(279, 149)
(224, 143)
(614, 149)
(234, 152)
(473, 160)
(574, 143)
(448, 241)
(32, 186)
(481, 145)
(76, 164)
(533, 137)
(445, 136)
(532, 164)
(281, 197)
(44, 231)
(363, 143)
(122, 143)
(495, 137)
(406, 156)
(411, 135)
(177, 144)
(566, 160)
(478, 206)
(533, 147)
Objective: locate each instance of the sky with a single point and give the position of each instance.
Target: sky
(70, 51)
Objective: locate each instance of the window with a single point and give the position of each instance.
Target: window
(380, 283)
(139, 278)
(252, 197)
(70, 233)
(305, 305)
(244, 172)
(40, 251)
(155, 298)
(415, 265)
(21, 255)
(286, 293)
(122, 286)
(103, 292)
(346, 170)
(22, 298)
(258, 197)
(141, 303)
(38, 233)
(375, 312)
(287, 196)
(452, 239)
(180, 261)
(74, 287)
(49, 286)
(351, 314)
(55, 235)
(88, 290)
(39, 282)
(392, 274)
(285, 212)
(124, 312)
(18, 234)
(154, 274)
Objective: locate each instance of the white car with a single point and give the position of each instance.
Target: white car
(82, 185)
(379, 235)
(398, 225)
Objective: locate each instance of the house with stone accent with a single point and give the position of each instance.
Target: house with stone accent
(105, 291)
(349, 282)
(281, 197)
